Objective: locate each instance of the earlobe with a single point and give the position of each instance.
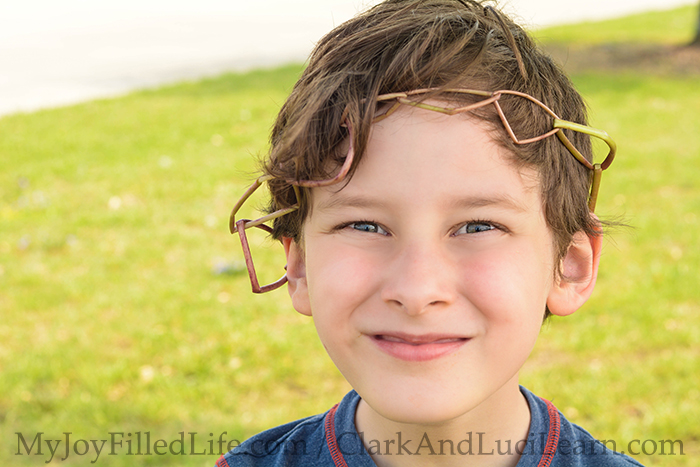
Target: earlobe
(579, 271)
(296, 276)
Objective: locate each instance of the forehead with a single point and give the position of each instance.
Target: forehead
(420, 155)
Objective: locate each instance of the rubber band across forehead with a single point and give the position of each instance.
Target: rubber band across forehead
(405, 98)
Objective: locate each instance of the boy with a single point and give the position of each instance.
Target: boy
(433, 211)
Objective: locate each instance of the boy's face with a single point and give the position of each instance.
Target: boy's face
(428, 274)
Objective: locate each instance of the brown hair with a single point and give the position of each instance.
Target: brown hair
(403, 45)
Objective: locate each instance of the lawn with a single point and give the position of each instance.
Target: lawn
(125, 309)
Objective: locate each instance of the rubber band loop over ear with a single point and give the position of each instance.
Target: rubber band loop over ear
(241, 225)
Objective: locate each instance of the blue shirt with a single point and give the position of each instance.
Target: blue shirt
(331, 440)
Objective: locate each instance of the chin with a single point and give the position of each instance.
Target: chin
(422, 409)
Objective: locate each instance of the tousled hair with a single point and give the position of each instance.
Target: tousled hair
(403, 45)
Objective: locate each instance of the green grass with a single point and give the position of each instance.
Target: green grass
(660, 27)
(113, 220)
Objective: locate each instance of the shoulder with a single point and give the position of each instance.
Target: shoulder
(571, 444)
(579, 443)
(286, 444)
(299, 443)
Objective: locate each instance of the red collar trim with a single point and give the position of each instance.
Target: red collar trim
(338, 459)
(552, 437)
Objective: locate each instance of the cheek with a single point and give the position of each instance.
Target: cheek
(339, 278)
(340, 282)
(508, 288)
(510, 307)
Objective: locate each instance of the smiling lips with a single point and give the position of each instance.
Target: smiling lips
(418, 348)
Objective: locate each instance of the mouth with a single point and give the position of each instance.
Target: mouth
(418, 348)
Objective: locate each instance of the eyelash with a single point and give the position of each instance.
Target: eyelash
(479, 222)
(350, 224)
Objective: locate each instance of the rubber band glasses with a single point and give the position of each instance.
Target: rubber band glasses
(408, 98)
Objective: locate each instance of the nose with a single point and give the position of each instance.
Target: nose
(421, 277)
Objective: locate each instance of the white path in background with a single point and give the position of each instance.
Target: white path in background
(59, 52)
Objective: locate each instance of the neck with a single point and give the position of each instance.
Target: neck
(484, 436)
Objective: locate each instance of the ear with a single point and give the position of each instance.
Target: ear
(579, 271)
(296, 276)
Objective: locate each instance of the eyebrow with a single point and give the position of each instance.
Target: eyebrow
(504, 200)
(470, 202)
(352, 201)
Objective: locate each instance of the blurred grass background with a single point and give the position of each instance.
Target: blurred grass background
(124, 306)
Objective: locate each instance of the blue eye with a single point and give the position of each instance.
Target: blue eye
(369, 227)
(475, 227)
